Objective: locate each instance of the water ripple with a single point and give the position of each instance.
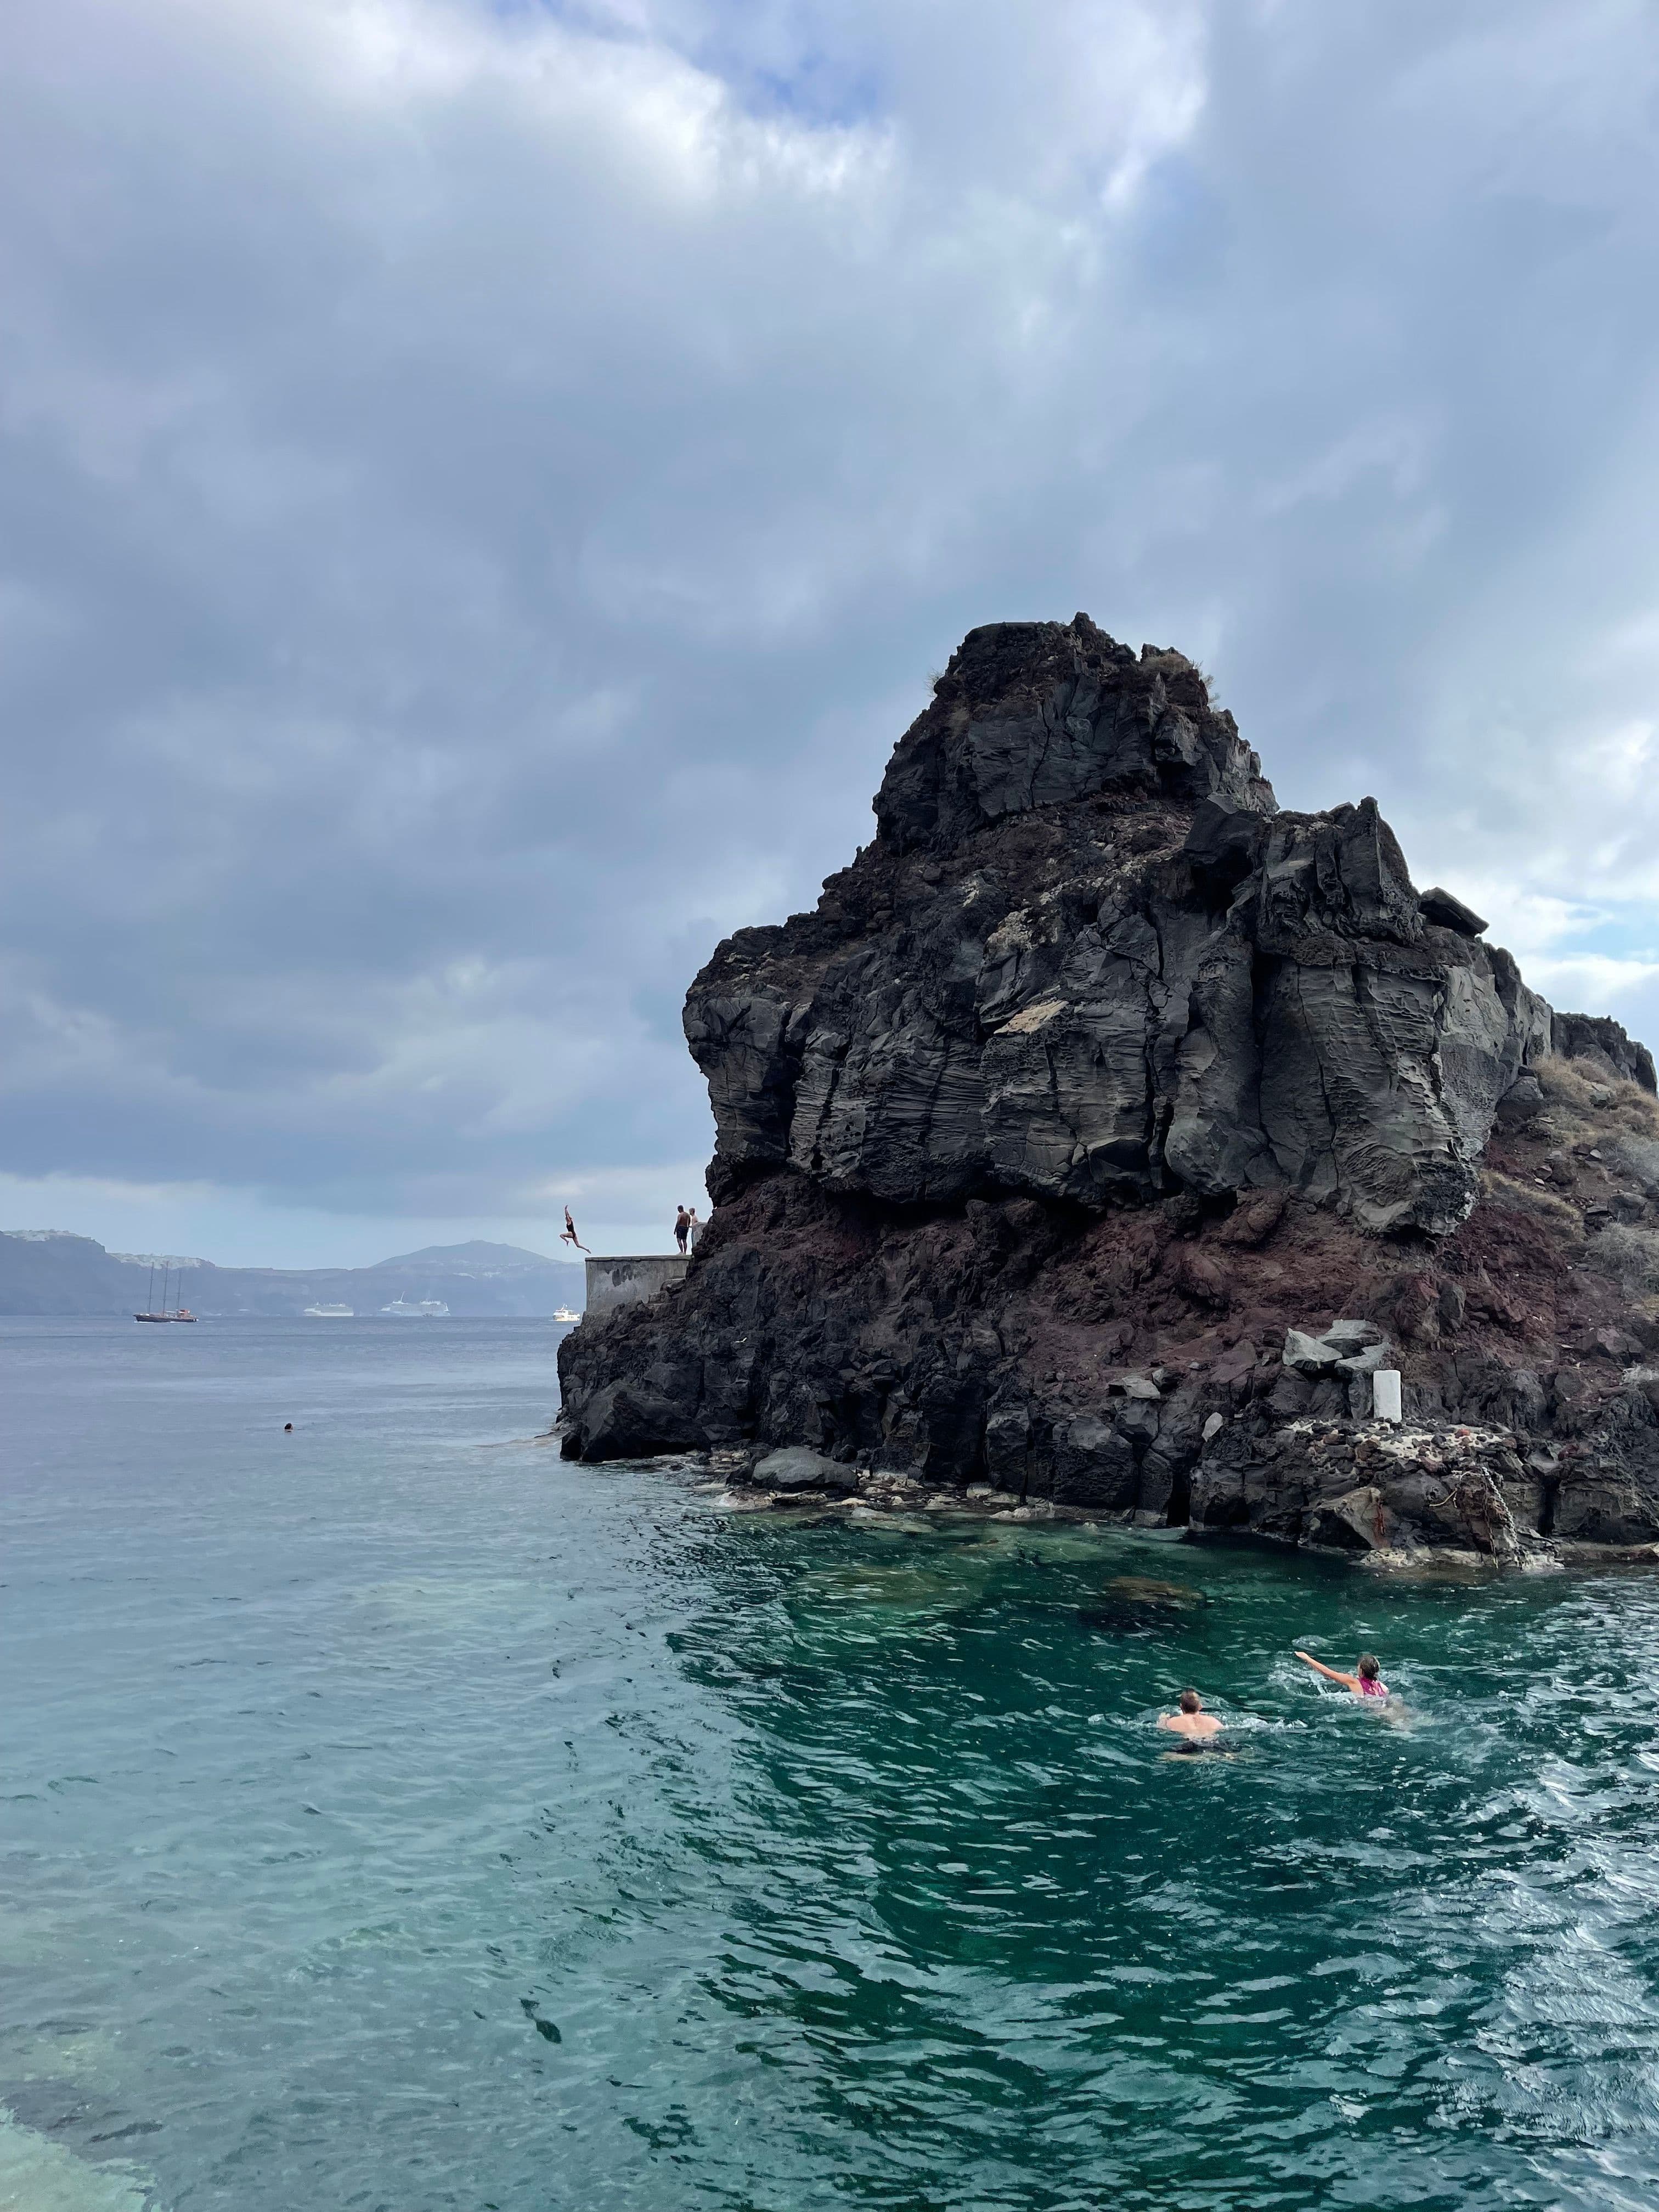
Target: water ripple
(405, 1819)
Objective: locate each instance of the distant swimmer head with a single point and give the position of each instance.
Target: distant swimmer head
(287, 1428)
(1189, 1701)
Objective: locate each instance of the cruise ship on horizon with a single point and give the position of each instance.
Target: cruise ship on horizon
(427, 1309)
(328, 1313)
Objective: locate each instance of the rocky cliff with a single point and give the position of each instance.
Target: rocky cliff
(1093, 1097)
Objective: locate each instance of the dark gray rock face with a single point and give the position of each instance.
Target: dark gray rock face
(1594, 1037)
(1036, 715)
(630, 1419)
(1106, 1127)
(1439, 906)
(1089, 959)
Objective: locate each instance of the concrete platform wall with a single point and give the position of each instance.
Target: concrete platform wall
(635, 1275)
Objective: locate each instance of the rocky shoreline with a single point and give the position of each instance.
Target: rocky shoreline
(1105, 1127)
(740, 1483)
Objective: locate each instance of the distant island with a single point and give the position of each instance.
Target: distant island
(52, 1272)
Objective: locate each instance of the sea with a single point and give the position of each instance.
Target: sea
(397, 1817)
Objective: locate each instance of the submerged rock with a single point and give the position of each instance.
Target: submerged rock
(1145, 1589)
(1133, 1605)
(1105, 1125)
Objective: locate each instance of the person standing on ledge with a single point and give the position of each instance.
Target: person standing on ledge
(1367, 1683)
(693, 1230)
(570, 1236)
(682, 1229)
(1191, 1721)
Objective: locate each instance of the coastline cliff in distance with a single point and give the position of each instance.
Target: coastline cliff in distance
(1106, 1127)
(51, 1272)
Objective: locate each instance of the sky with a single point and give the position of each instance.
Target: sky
(483, 488)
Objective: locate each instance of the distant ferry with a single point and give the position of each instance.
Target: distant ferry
(428, 1309)
(328, 1313)
(563, 1313)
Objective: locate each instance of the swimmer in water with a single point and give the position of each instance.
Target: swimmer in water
(1191, 1721)
(1366, 1683)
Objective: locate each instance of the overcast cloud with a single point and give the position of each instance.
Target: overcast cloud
(483, 489)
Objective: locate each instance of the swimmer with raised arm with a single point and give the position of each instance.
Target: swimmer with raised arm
(1366, 1683)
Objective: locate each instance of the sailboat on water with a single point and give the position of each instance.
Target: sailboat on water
(163, 1312)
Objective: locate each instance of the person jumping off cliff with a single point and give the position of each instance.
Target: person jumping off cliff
(570, 1236)
(682, 1228)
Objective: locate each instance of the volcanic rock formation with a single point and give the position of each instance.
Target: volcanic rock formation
(1091, 1077)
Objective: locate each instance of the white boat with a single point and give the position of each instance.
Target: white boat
(328, 1313)
(428, 1309)
(565, 1314)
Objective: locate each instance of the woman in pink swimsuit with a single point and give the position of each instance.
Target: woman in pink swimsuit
(1367, 1683)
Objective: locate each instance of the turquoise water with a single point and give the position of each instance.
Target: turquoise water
(394, 1816)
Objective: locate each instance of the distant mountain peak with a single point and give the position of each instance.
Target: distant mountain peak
(53, 1271)
(476, 1252)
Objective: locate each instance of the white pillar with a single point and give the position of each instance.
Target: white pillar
(1385, 1394)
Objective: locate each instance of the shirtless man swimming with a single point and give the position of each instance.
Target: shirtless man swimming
(1191, 1721)
(1367, 1683)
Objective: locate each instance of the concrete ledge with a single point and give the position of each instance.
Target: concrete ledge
(626, 1280)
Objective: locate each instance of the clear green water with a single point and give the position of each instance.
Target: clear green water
(396, 1817)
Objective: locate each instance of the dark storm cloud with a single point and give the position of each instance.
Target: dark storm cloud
(484, 491)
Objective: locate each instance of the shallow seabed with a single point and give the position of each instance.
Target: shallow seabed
(395, 1816)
